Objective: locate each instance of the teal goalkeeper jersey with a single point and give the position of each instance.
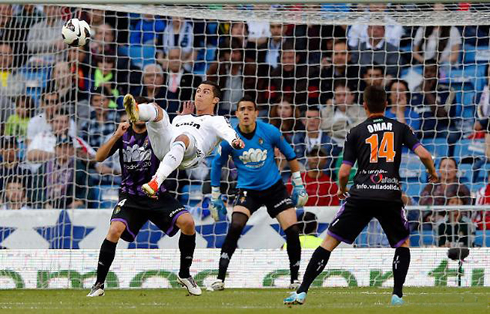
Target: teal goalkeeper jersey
(257, 168)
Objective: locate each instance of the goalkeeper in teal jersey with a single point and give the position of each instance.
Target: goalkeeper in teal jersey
(259, 183)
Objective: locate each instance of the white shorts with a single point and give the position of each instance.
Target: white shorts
(162, 135)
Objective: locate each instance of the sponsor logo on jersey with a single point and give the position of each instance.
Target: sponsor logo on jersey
(136, 153)
(117, 210)
(261, 141)
(191, 123)
(253, 155)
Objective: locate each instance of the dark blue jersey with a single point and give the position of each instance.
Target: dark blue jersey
(138, 162)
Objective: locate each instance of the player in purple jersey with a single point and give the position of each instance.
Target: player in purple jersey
(134, 209)
(376, 145)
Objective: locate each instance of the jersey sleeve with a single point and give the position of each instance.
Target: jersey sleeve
(349, 156)
(282, 144)
(117, 145)
(224, 130)
(224, 150)
(409, 139)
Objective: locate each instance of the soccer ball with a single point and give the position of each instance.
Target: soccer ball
(75, 33)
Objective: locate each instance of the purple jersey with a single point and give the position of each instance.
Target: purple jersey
(138, 162)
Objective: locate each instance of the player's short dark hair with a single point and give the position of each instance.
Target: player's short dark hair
(375, 66)
(141, 100)
(316, 152)
(15, 179)
(448, 158)
(375, 98)
(216, 88)
(311, 108)
(307, 223)
(246, 98)
(341, 83)
(62, 112)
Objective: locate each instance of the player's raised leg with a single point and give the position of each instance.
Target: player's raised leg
(171, 161)
(187, 245)
(106, 257)
(239, 219)
(288, 221)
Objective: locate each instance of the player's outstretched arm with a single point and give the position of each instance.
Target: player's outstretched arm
(104, 151)
(217, 204)
(426, 159)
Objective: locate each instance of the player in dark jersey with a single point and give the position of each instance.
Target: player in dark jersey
(376, 145)
(139, 164)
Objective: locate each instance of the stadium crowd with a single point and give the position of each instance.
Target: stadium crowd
(59, 104)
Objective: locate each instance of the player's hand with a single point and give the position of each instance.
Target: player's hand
(218, 207)
(187, 108)
(299, 195)
(343, 194)
(121, 129)
(237, 143)
(433, 177)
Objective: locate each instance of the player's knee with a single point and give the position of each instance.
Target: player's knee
(115, 231)
(238, 221)
(186, 224)
(183, 138)
(292, 232)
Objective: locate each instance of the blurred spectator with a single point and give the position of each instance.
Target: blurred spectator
(290, 80)
(375, 50)
(94, 17)
(12, 83)
(13, 33)
(102, 121)
(153, 87)
(308, 226)
(50, 104)
(178, 33)
(28, 15)
(44, 40)
(259, 31)
(14, 197)
(359, 33)
(273, 46)
(286, 117)
(18, 122)
(146, 30)
(338, 66)
(341, 113)
(62, 181)
(434, 102)
(482, 217)
(232, 74)
(313, 137)
(80, 69)
(483, 108)
(442, 43)
(399, 105)
(104, 41)
(372, 75)
(10, 164)
(322, 190)
(42, 146)
(105, 77)
(456, 229)
(63, 81)
(441, 192)
(180, 82)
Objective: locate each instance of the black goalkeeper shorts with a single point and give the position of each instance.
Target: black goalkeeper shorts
(276, 199)
(135, 211)
(353, 216)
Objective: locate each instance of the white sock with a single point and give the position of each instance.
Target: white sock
(147, 112)
(170, 162)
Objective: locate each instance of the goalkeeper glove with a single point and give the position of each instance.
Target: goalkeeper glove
(217, 208)
(299, 195)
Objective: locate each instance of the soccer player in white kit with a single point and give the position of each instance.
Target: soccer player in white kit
(189, 138)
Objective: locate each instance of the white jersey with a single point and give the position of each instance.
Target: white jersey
(207, 130)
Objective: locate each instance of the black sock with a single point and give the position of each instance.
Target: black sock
(238, 221)
(317, 263)
(187, 245)
(106, 256)
(401, 262)
(294, 250)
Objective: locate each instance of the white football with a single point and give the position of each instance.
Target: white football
(76, 32)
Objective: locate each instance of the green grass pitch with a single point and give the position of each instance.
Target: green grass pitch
(320, 300)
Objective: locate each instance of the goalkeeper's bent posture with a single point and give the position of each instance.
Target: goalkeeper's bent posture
(259, 183)
(139, 164)
(376, 145)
